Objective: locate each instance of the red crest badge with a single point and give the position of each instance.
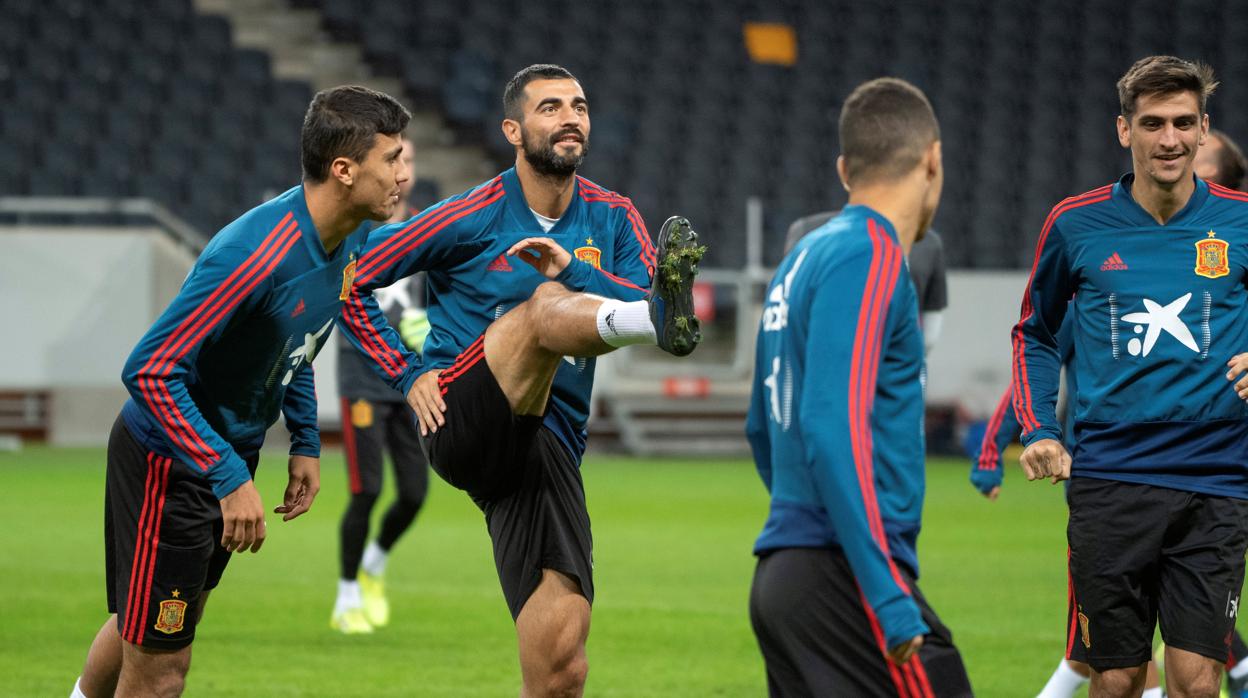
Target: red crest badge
(1083, 628)
(171, 617)
(348, 278)
(589, 255)
(1212, 259)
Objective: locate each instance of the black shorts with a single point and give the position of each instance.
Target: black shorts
(368, 429)
(1139, 553)
(162, 543)
(818, 638)
(520, 474)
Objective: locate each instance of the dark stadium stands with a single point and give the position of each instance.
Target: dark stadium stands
(152, 99)
(116, 98)
(685, 122)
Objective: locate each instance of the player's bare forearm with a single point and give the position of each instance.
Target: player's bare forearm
(425, 397)
(1046, 458)
(302, 487)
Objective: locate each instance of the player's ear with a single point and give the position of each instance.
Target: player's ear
(933, 158)
(842, 171)
(343, 170)
(1204, 129)
(1124, 131)
(511, 131)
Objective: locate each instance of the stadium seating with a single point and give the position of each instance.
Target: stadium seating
(115, 98)
(684, 120)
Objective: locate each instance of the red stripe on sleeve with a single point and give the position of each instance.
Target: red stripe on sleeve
(362, 327)
(205, 308)
(648, 254)
(872, 316)
(415, 235)
(150, 378)
(1022, 392)
(988, 453)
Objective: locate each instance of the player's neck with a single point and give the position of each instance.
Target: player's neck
(901, 205)
(549, 196)
(1161, 201)
(331, 216)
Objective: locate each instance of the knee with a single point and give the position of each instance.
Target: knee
(1205, 685)
(567, 678)
(1119, 682)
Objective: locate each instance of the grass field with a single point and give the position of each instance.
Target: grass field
(673, 566)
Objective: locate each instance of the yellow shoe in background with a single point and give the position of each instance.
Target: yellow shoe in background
(376, 607)
(352, 621)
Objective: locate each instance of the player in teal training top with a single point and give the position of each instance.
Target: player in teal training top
(231, 353)
(1156, 264)
(836, 427)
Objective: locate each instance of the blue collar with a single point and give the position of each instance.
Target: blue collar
(1136, 213)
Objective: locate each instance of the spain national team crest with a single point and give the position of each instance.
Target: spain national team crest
(361, 414)
(1083, 630)
(1212, 259)
(589, 254)
(348, 278)
(172, 615)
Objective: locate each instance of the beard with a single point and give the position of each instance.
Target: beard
(547, 161)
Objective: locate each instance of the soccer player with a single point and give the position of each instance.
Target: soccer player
(376, 418)
(230, 353)
(1155, 266)
(502, 390)
(1220, 161)
(835, 424)
(926, 263)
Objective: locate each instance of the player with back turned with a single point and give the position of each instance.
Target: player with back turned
(836, 427)
(1156, 264)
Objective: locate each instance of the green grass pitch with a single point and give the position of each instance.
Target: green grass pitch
(673, 567)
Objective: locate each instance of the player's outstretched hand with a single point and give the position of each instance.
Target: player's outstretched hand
(903, 652)
(242, 514)
(425, 397)
(305, 482)
(1239, 374)
(543, 254)
(1046, 458)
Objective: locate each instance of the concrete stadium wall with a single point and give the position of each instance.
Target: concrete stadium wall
(970, 365)
(75, 300)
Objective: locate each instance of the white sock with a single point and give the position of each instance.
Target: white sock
(1063, 683)
(1239, 669)
(78, 689)
(348, 596)
(621, 323)
(374, 561)
(1152, 693)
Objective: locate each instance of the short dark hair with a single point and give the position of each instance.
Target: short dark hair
(885, 126)
(343, 122)
(513, 94)
(1159, 75)
(1231, 164)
